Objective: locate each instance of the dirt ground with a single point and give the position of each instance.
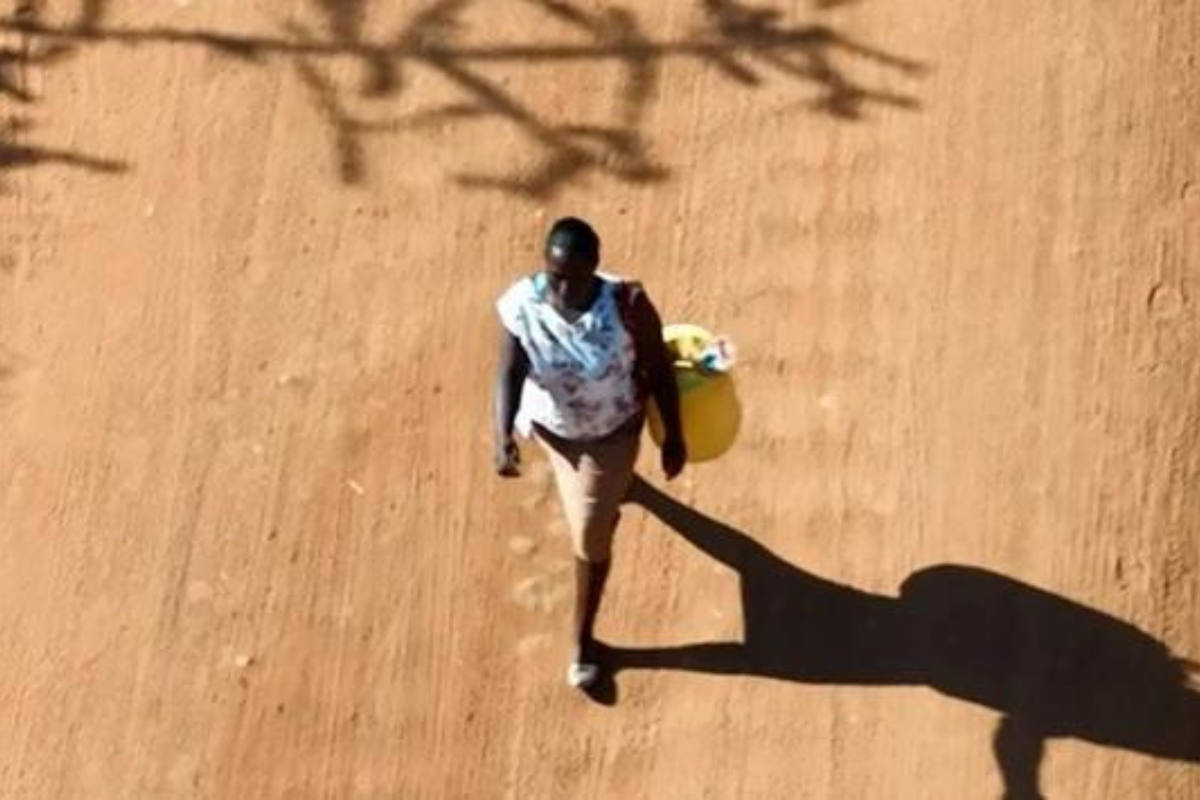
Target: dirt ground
(251, 542)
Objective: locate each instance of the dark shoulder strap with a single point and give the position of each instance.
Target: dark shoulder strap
(627, 293)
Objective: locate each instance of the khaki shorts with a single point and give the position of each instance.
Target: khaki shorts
(592, 479)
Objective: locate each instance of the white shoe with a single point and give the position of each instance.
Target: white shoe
(581, 675)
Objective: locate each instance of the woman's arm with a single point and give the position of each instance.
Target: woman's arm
(660, 369)
(512, 369)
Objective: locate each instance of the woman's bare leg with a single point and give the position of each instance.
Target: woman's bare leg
(590, 578)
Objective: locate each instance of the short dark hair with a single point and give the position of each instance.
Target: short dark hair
(571, 238)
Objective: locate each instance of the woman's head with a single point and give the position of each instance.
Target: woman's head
(572, 249)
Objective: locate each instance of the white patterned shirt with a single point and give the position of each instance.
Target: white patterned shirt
(581, 381)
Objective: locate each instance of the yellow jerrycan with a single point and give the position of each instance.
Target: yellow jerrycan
(708, 403)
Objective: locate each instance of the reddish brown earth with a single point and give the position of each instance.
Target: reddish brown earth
(251, 542)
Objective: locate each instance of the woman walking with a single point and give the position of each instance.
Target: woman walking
(580, 354)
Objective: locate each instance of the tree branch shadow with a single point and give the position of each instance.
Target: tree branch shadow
(745, 43)
(13, 155)
(15, 62)
(1051, 667)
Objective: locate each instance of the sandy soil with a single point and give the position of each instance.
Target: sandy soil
(251, 542)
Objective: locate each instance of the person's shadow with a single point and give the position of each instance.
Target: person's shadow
(1051, 667)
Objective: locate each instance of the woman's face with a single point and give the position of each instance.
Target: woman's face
(569, 272)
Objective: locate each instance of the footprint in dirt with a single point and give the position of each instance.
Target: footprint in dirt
(533, 644)
(16, 375)
(522, 546)
(541, 491)
(539, 593)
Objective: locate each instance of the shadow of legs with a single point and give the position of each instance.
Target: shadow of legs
(1018, 749)
(717, 658)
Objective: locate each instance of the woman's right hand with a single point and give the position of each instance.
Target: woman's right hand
(507, 458)
(674, 455)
